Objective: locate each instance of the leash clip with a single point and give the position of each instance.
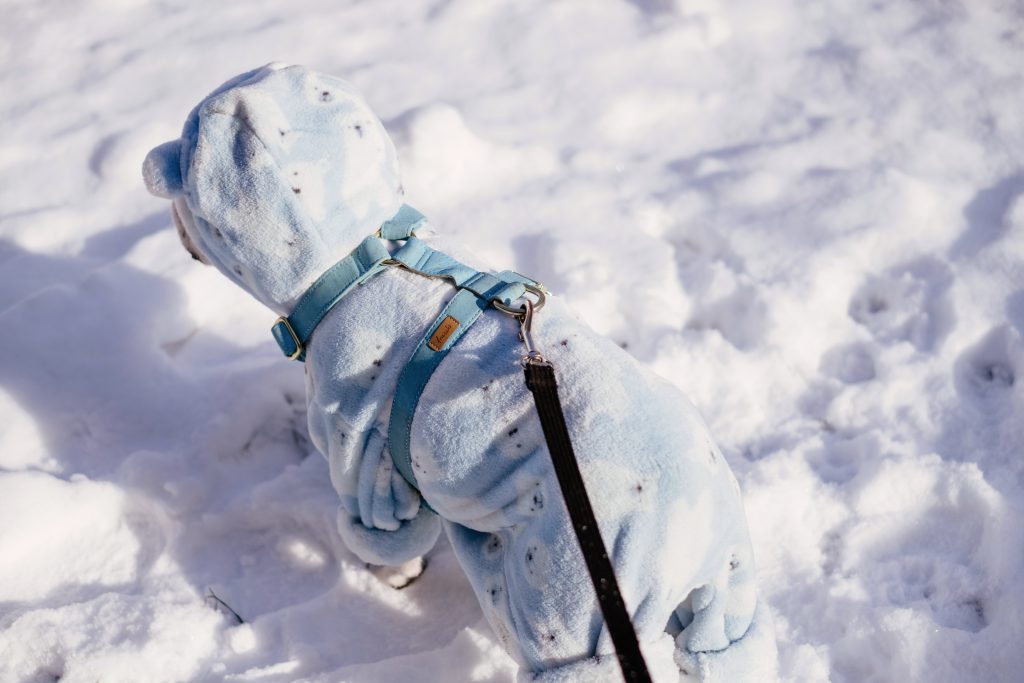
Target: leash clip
(533, 356)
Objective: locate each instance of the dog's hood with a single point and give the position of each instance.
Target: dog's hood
(279, 173)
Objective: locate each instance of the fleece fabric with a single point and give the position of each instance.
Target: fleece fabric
(283, 171)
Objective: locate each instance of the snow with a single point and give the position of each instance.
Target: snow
(810, 217)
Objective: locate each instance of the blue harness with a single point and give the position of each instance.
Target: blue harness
(476, 292)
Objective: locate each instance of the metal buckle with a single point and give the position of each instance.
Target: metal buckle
(537, 290)
(295, 338)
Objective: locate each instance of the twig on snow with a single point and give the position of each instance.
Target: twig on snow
(218, 604)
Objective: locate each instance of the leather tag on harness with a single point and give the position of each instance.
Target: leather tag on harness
(443, 331)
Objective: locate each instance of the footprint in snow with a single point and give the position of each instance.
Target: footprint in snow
(987, 373)
(919, 550)
(849, 363)
(908, 303)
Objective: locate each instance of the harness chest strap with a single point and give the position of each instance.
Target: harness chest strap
(292, 333)
(461, 312)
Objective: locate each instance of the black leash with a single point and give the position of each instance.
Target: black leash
(540, 379)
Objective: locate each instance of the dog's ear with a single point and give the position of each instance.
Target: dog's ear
(162, 170)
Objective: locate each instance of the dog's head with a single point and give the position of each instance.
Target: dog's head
(277, 175)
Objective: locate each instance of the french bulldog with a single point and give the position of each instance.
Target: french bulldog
(281, 172)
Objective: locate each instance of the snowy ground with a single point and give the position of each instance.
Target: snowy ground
(811, 219)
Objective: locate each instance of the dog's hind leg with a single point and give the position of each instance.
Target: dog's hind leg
(749, 659)
(723, 631)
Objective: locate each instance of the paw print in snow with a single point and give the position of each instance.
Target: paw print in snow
(909, 303)
(986, 374)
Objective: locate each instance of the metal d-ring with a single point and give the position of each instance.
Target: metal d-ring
(536, 290)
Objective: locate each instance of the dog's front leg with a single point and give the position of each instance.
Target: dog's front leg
(381, 517)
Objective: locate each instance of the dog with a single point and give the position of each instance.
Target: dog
(279, 174)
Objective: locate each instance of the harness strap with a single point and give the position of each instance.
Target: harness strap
(292, 333)
(402, 224)
(506, 286)
(460, 313)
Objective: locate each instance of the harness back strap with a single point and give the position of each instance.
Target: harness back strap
(416, 256)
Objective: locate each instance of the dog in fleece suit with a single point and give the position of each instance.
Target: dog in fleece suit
(283, 171)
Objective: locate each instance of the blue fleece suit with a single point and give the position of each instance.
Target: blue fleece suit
(280, 173)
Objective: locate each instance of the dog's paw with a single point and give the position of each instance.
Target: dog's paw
(401, 576)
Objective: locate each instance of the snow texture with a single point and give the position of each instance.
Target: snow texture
(810, 218)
